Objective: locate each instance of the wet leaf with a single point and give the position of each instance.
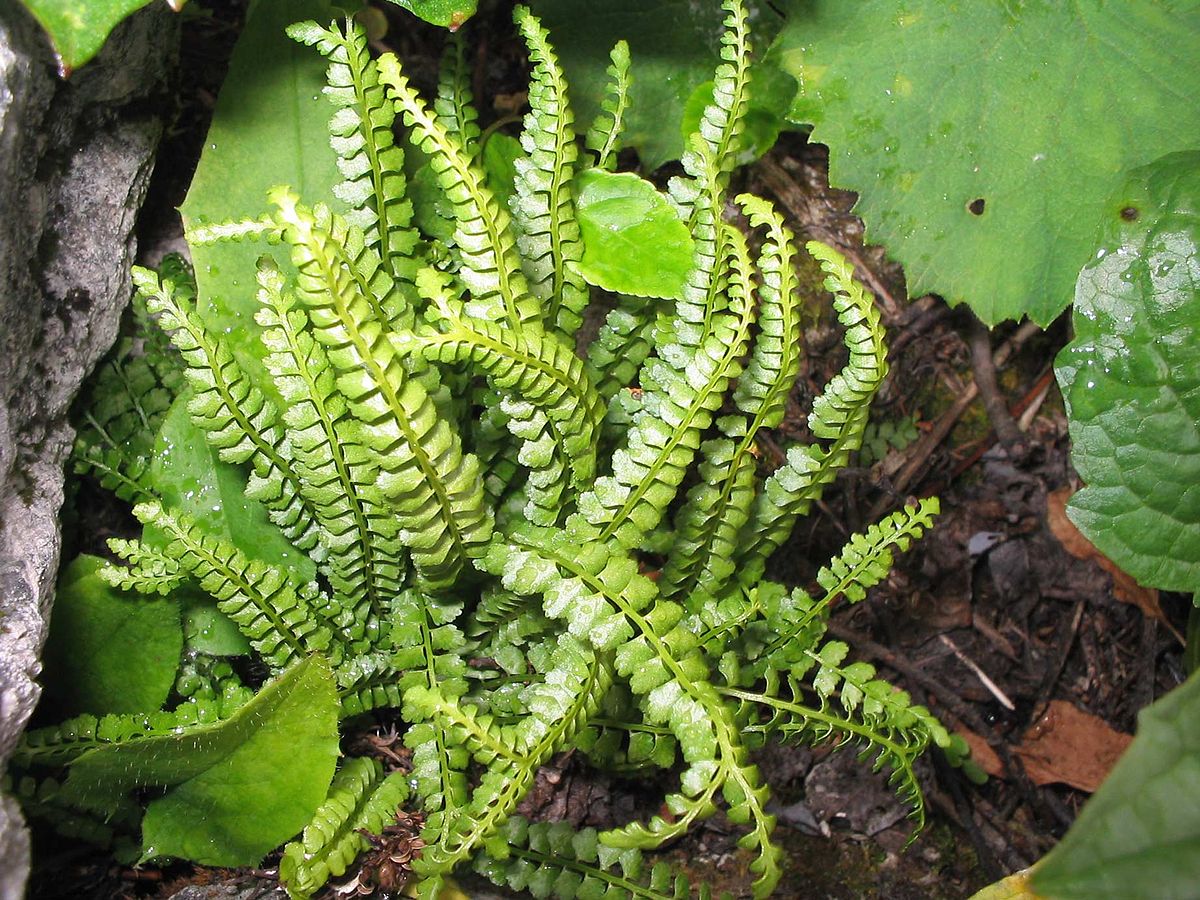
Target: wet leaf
(79, 28)
(108, 652)
(1139, 836)
(1131, 380)
(447, 13)
(236, 789)
(633, 242)
(269, 128)
(985, 144)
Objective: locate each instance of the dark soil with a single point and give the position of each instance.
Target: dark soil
(986, 621)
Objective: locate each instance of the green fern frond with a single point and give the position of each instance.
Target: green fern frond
(453, 105)
(237, 418)
(491, 266)
(265, 605)
(683, 388)
(624, 342)
(774, 365)
(604, 137)
(360, 800)
(533, 368)
(722, 121)
(435, 488)
(549, 239)
(839, 416)
(864, 562)
(361, 135)
(552, 859)
(148, 570)
(365, 558)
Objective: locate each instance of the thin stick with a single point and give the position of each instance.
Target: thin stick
(992, 687)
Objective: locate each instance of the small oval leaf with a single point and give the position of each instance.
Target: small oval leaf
(633, 241)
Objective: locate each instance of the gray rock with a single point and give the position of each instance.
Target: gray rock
(75, 160)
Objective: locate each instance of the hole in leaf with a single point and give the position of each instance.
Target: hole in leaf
(975, 207)
(1130, 214)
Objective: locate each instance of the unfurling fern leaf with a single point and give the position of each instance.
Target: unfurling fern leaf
(520, 550)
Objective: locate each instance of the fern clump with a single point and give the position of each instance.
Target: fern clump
(468, 487)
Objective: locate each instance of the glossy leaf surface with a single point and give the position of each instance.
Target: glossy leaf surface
(238, 788)
(1141, 825)
(984, 143)
(269, 128)
(109, 652)
(79, 29)
(1131, 380)
(633, 242)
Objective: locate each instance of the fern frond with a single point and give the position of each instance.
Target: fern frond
(365, 561)
(774, 365)
(552, 859)
(600, 597)
(453, 105)
(574, 683)
(549, 238)
(532, 366)
(722, 121)
(264, 227)
(491, 266)
(604, 137)
(360, 799)
(864, 561)
(270, 610)
(237, 418)
(839, 416)
(148, 570)
(435, 488)
(873, 716)
(361, 135)
(708, 523)
(683, 388)
(624, 342)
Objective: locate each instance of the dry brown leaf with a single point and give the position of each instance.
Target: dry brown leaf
(981, 752)
(1069, 746)
(1125, 588)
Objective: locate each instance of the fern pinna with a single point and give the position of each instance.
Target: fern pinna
(470, 488)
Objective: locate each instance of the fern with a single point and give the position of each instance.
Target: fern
(484, 505)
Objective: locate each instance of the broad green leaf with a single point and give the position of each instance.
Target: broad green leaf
(633, 241)
(1131, 379)
(108, 651)
(269, 128)
(237, 789)
(79, 28)
(985, 140)
(500, 152)
(447, 13)
(186, 475)
(674, 47)
(205, 628)
(1139, 835)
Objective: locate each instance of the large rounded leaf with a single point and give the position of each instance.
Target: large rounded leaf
(985, 138)
(1131, 380)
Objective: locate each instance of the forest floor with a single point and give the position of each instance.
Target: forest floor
(1002, 620)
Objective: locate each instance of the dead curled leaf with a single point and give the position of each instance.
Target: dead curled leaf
(1125, 588)
(1064, 746)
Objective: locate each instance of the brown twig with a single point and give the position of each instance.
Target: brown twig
(984, 368)
(920, 452)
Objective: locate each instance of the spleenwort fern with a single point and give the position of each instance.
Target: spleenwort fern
(483, 503)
